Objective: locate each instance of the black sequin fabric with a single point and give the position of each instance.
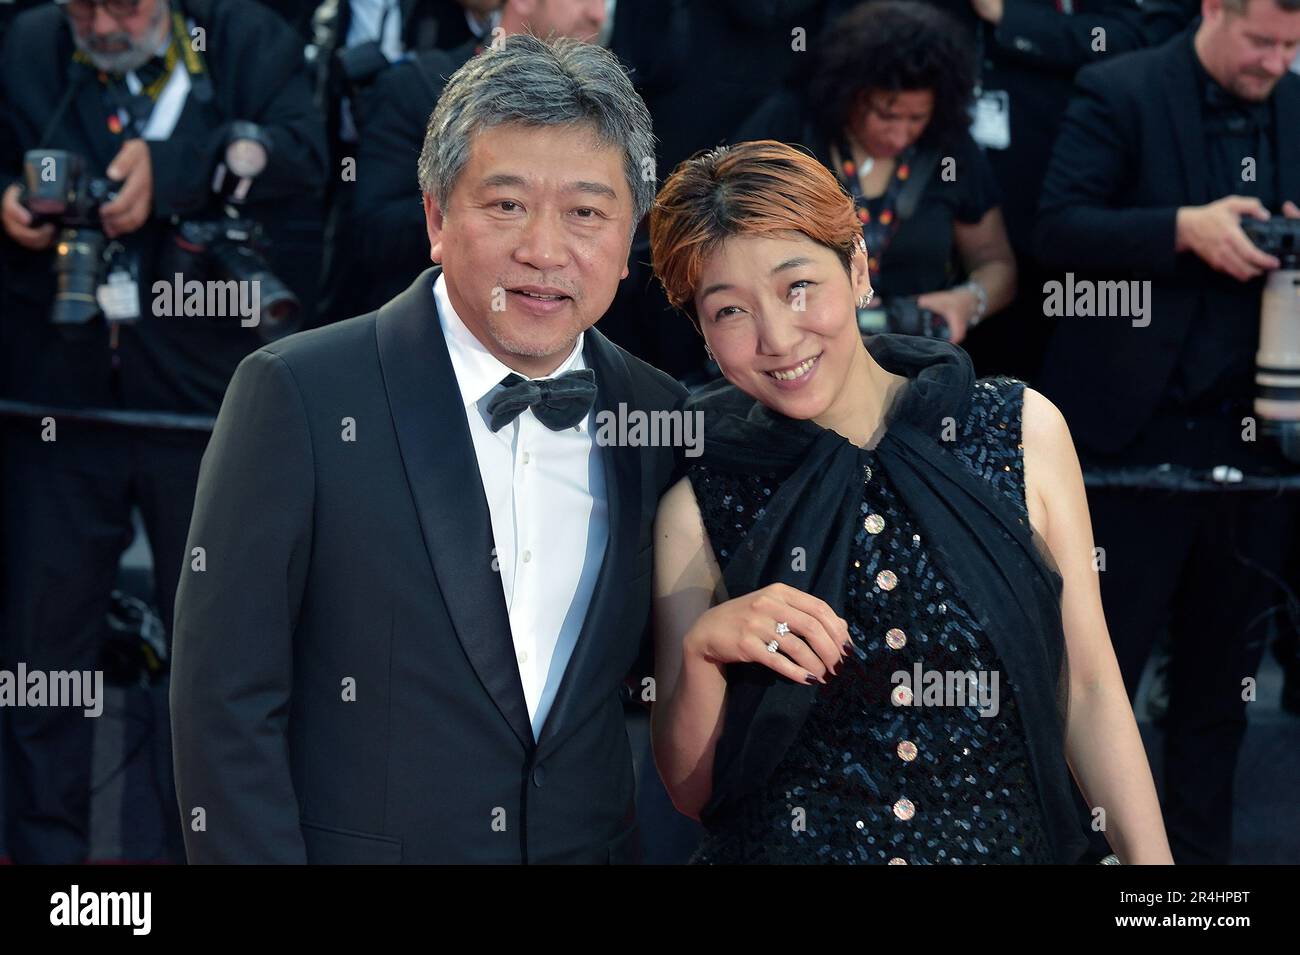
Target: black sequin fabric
(868, 781)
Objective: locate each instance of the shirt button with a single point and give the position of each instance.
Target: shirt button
(874, 524)
(897, 861)
(895, 638)
(887, 580)
(523, 656)
(902, 696)
(907, 751)
(528, 555)
(527, 457)
(904, 809)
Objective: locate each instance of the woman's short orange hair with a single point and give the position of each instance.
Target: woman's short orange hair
(760, 188)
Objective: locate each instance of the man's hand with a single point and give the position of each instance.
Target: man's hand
(1214, 233)
(18, 223)
(990, 10)
(130, 210)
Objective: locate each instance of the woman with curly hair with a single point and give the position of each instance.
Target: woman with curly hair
(885, 105)
(868, 585)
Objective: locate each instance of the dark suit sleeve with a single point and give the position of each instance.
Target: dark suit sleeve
(387, 206)
(260, 76)
(1036, 33)
(1081, 224)
(232, 668)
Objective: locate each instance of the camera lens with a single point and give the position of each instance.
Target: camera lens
(77, 258)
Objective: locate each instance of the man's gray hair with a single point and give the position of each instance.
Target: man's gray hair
(525, 80)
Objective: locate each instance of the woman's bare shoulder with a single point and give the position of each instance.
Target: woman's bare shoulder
(1052, 475)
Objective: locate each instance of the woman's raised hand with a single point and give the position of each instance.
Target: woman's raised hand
(810, 639)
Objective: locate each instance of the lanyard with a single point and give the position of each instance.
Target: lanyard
(131, 102)
(878, 229)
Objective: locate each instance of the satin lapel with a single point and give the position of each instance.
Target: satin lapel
(442, 470)
(623, 494)
(1184, 103)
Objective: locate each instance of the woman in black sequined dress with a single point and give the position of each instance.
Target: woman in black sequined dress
(867, 584)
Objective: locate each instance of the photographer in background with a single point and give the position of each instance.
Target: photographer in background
(159, 122)
(885, 107)
(1161, 155)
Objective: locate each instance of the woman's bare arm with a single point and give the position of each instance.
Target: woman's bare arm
(986, 253)
(686, 719)
(1103, 746)
(698, 631)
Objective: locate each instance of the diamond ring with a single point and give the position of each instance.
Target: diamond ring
(773, 647)
(782, 628)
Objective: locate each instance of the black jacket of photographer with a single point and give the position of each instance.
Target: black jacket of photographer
(1145, 134)
(255, 64)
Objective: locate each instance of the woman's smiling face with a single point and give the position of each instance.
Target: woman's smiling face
(779, 313)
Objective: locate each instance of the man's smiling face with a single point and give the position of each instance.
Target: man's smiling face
(535, 239)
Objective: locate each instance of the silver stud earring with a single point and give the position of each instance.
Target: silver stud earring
(709, 351)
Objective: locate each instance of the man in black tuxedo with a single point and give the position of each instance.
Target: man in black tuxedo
(1160, 153)
(417, 574)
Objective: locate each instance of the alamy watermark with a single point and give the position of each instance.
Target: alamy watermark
(922, 687)
(90, 908)
(211, 299)
(1085, 298)
(637, 428)
(74, 688)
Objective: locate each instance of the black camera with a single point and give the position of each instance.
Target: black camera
(355, 67)
(229, 247)
(902, 316)
(352, 74)
(1277, 363)
(230, 250)
(58, 189)
(1278, 236)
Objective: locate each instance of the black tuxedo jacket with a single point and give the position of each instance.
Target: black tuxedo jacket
(1130, 152)
(344, 684)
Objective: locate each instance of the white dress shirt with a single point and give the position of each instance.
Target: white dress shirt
(546, 494)
(376, 20)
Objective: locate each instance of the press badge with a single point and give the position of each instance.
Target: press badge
(991, 126)
(119, 296)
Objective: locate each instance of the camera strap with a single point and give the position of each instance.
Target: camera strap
(911, 175)
(78, 76)
(169, 92)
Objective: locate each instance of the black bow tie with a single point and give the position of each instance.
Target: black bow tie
(558, 403)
